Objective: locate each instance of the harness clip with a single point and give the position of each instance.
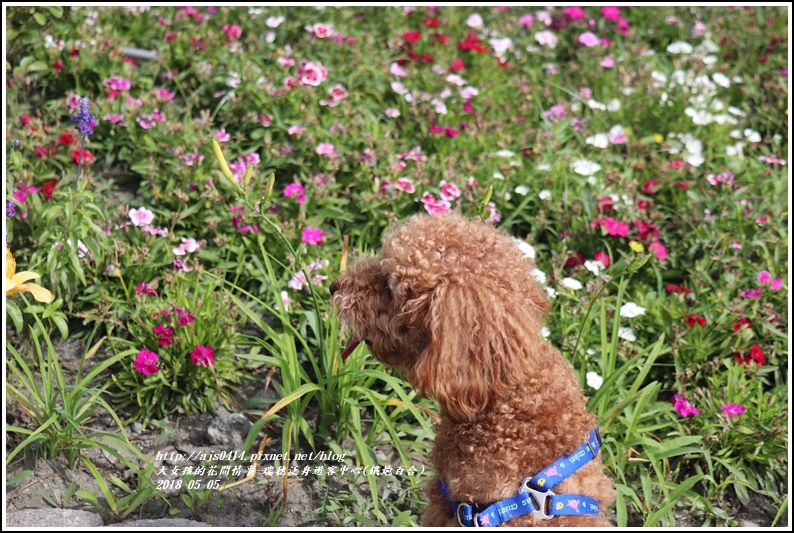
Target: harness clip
(542, 500)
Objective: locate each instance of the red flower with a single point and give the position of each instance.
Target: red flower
(643, 204)
(67, 138)
(25, 119)
(74, 52)
(440, 38)
(678, 289)
(457, 64)
(578, 259)
(741, 323)
(88, 157)
(427, 58)
(431, 22)
(412, 36)
(113, 93)
(170, 36)
(682, 185)
(648, 186)
(692, 320)
(472, 43)
(757, 354)
(47, 188)
(58, 65)
(762, 59)
(413, 55)
(605, 204)
(675, 164)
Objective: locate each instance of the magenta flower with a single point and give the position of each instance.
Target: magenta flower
(603, 257)
(613, 227)
(117, 84)
(203, 356)
(608, 61)
(683, 407)
(313, 236)
(764, 277)
(144, 288)
(165, 95)
(611, 13)
(526, 21)
(573, 12)
(556, 113)
(733, 409)
(146, 362)
(776, 284)
(184, 317)
(751, 294)
(297, 190)
(222, 136)
(338, 92)
(658, 250)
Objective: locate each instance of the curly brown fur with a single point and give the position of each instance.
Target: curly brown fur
(452, 304)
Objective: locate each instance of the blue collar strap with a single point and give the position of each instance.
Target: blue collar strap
(535, 495)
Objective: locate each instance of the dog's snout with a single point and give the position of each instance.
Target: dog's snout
(334, 287)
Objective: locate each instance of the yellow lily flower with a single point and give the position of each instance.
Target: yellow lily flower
(18, 282)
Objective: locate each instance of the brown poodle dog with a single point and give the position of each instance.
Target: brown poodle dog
(452, 304)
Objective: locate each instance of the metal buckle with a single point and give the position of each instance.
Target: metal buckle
(542, 500)
(460, 520)
(598, 442)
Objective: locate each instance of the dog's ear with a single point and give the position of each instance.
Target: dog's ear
(479, 348)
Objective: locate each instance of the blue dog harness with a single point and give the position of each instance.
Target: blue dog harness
(535, 495)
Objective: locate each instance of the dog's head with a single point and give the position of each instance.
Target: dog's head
(452, 304)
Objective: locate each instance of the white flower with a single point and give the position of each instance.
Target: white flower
(539, 276)
(474, 21)
(544, 195)
(590, 351)
(498, 175)
(545, 332)
(752, 135)
(694, 159)
(627, 334)
(572, 284)
(505, 153)
(721, 79)
(630, 310)
(614, 105)
(679, 47)
(551, 292)
(594, 104)
(546, 38)
(523, 190)
(525, 247)
(286, 299)
(585, 167)
(500, 46)
(594, 266)
(274, 22)
(544, 167)
(599, 140)
(594, 380)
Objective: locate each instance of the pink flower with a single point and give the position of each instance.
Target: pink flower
(451, 132)
(327, 150)
(602, 257)
(113, 118)
(776, 284)
(203, 356)
(184, 317)
(187, 246)
(133, 102)
(179, 266)
(286, 61)
(117, 84)
(733, 409)
(764, 277)
(297, 129)
(265, 120)
(146, 122)
(321, 30)
(295, 189)
(162, 330)
(338, 92)
(146, 362)
(165, 95)
(526, 21)
(311, 73)
(611, 13)
(449, 191)
(141, 217)
(435, 206)
(145, 289)
(683, 407)
(233, 31)
(556, 113)
(222, 136)
(608, 61)
(405, 185)
(313, 236)
(623, 27)
(589, 39)
(658, 250)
